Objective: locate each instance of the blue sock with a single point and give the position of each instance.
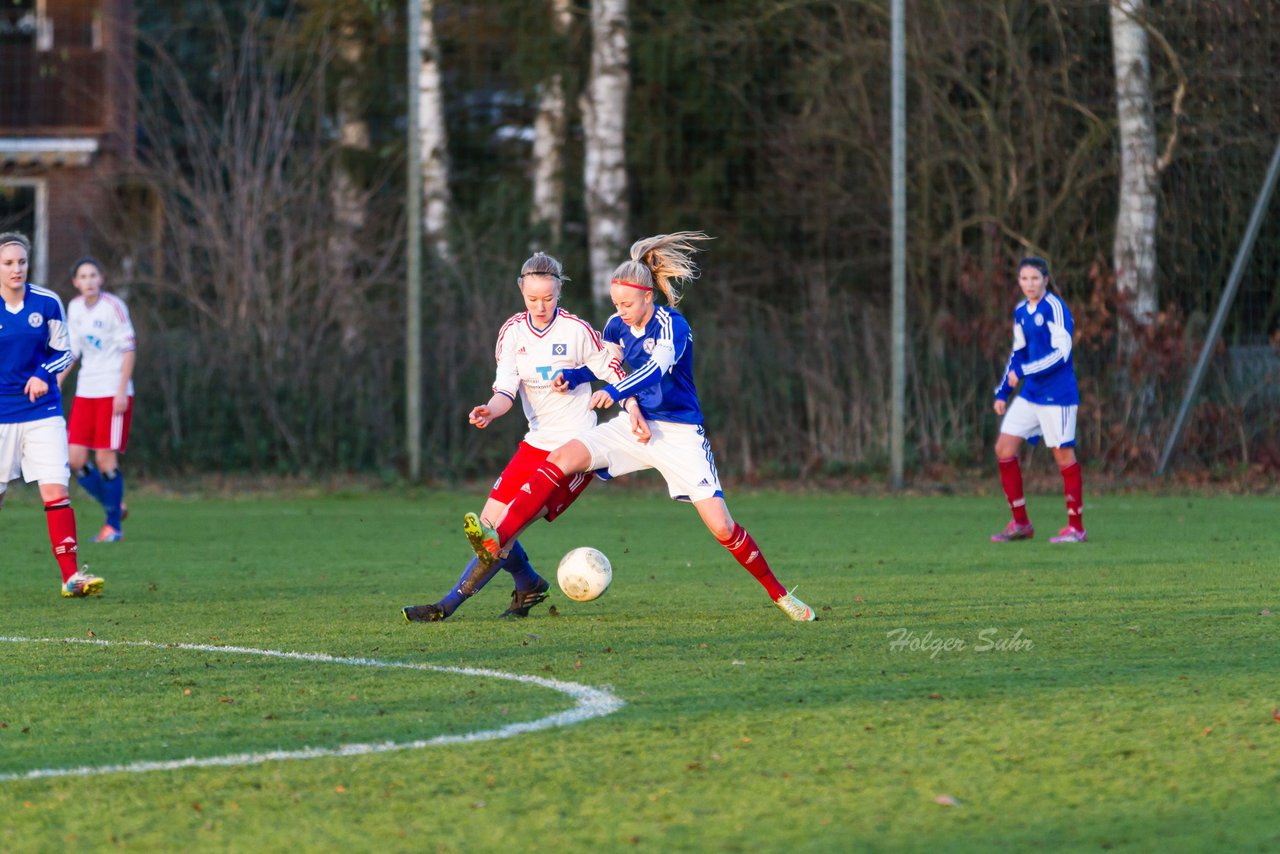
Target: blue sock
(91, 479)
(521, 570)
(473, 574)
(112, 495)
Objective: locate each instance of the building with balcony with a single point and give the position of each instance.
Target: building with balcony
(66, 123)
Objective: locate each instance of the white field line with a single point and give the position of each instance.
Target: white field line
(590, 703)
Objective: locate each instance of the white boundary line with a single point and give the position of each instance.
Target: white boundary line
(591, 703)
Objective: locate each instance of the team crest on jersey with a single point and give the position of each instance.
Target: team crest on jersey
(559, 349)
(1039, 320)
(649, 344)
(36, 319)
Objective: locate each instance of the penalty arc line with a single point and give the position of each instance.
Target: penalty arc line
(590, 703)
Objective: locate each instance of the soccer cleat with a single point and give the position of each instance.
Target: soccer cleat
(483, 539)
(423, 613)
(1070, 535)
(1014, 531)
(795, 609)
(82, 584)
(108, 534)
(522, 601)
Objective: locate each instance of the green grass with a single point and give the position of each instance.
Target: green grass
(1134, 713)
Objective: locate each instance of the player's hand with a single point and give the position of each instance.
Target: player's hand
(120, 405)
(481, 417)
(1013, 379)
(35, 387)
(560, 384)
(639, 426)
(1000, 407)
(601, 400)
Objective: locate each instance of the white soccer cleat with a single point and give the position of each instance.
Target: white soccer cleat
(82, 584)
(795, 609)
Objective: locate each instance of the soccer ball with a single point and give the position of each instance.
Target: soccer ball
(584, 574)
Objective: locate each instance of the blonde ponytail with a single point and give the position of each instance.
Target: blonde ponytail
(664, 262)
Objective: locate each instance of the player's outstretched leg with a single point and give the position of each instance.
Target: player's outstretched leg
(1073, 492)
(745, 551)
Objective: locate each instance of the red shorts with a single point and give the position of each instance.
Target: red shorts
(522, 466)
(93, 424)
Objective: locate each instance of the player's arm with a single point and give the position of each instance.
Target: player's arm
(1013, 372)
(127, 343)
(57, 356)
(506, 380)
(666, 352)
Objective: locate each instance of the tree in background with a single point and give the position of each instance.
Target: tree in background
(549, 128)
(1135, 245)
(604, 122)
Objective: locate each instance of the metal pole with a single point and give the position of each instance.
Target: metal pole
(897, 415)
(1224, 305)
(413, 253)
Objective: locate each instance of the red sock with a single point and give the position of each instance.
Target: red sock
(530, 500)
(745, 551)
(1073, 489)
(61, 520)
(1011, 480)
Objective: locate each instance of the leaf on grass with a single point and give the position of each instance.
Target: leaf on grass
(1207, 730)
(936, 696)
(91, 634)
(946, 801)
(1275, 713)
(340, 789)
(225, 700)
(1265, 612)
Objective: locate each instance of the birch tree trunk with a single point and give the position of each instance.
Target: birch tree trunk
(345, 194)
(1135, 244)
(604, 119)
(434, 150)
(548, 141)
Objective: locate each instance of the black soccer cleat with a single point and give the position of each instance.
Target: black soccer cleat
(432, 613)
(521, 602)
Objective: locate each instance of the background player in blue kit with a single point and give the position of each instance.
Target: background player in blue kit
(663, 430)
(533, 346)
(33, 434)
(1047, 401)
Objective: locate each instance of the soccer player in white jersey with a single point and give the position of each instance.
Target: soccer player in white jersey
(663, 430)
(1040, 368)
(533, 347)
(33, 433)
(102, 341)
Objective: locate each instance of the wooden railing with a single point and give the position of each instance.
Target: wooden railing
(60, 90)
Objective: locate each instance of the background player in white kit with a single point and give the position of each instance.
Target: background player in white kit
(33, 433)
(663, 430)
(533, 347)
(102, 341)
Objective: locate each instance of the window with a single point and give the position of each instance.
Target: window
(22, 209)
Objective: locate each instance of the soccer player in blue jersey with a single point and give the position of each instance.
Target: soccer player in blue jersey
(533, 346)
(33, 434)
(663, 429)
(1045, 408)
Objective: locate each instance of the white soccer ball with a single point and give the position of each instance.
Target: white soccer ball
(584, 574)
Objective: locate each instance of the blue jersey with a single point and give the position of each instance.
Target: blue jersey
(661, 361)
(33, 343)
(1041, 354)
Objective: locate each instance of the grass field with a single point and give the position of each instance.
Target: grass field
(955, 694)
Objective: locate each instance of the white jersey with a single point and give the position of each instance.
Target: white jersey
(528, 360)
(100, 336)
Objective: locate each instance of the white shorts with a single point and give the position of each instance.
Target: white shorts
(679, 452)
(34, 450)
(1031, 421)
